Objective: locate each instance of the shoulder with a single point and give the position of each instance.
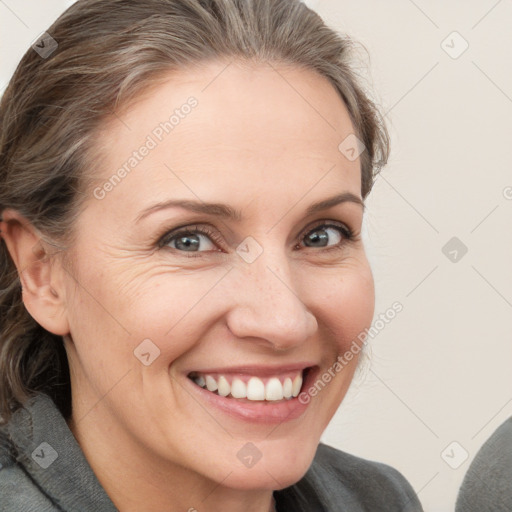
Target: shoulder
(43, 467)
(368, 481)
(488, 481)
(17, 491)
(337, 478)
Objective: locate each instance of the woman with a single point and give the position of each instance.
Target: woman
(184, 281)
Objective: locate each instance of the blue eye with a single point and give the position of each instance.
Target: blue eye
(199, 239)
(320, 236)
(190, 240)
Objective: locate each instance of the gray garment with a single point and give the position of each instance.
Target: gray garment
(43, 469)
(487, 485)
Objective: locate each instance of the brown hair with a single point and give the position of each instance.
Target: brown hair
(108, 52)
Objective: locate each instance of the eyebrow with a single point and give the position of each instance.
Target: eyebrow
(227, 212)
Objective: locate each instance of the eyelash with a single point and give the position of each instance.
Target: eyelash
(347, 236)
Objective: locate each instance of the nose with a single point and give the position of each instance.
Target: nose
(268, 307)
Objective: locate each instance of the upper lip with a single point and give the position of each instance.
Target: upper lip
(256, 370)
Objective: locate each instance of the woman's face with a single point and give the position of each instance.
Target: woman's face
(251, 293)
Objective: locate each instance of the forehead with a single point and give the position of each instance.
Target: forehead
(221, 124)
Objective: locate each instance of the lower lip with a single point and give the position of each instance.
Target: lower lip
(259, 411)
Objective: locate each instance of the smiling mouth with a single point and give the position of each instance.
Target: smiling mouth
(250, 388)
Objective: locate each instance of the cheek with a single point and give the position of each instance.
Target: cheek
(345, 305)
(121, 308)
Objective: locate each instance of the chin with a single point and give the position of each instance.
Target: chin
(279, 466)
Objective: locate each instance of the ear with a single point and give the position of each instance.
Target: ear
(41, 275)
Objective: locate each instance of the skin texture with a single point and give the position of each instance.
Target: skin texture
(263, 139)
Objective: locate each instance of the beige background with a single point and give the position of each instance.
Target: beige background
(440, 371)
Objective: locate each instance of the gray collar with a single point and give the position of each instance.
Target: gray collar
(47, 450)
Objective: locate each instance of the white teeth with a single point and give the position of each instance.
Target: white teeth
(211, 383)
(238, 389)
(287, 387)
(274, 389)
(224, 387)
(255, 389)
(297, 384)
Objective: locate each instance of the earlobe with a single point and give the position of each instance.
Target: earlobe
(40, 275)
